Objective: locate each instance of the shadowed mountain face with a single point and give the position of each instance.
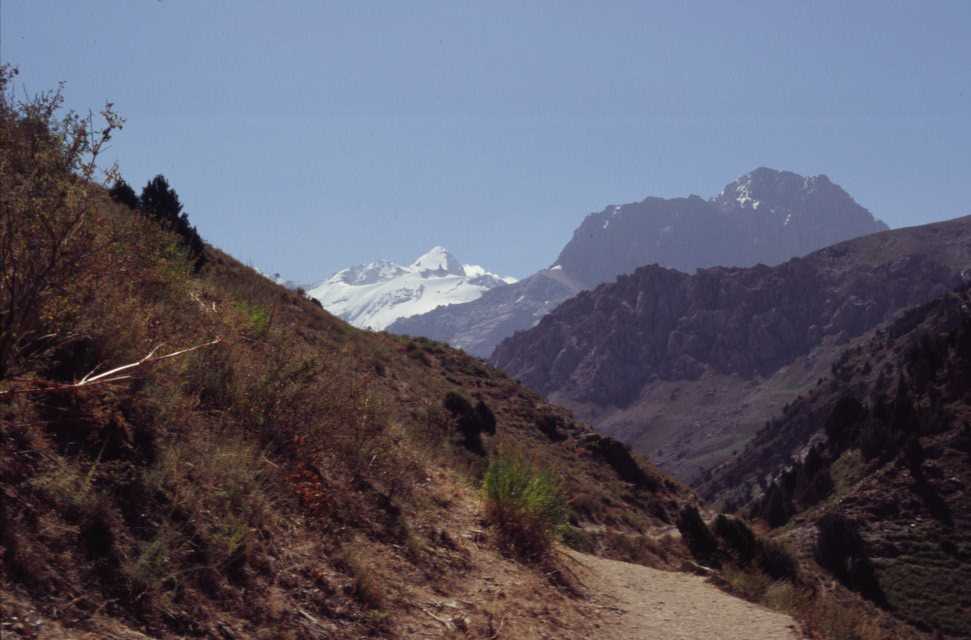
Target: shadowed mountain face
(879, 452)
(766, 216)
(686, 367)
(478, 326)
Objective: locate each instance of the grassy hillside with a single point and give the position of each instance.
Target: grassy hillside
(281, 475)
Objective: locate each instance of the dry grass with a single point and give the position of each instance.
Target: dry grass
(367, 585)
(224, 484)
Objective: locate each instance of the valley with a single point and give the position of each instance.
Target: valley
(742, 416)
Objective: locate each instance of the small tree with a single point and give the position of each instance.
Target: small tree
(48, 167)
(840, 549)
(160, 201)
(697, 535)
(123, 193)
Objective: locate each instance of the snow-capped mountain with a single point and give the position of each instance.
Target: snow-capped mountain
(763, 216)
(374, 295)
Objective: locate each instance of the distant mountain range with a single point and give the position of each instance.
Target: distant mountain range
(374, 295)
(765, 216)
(687, 367)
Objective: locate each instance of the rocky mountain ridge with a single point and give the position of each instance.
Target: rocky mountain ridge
(766, 216)
(626, 355)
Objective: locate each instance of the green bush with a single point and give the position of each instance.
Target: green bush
(257, 317)
(526, 504)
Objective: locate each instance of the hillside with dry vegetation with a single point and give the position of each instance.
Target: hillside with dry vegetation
(187, 449)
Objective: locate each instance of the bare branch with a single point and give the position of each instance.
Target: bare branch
(108, 377)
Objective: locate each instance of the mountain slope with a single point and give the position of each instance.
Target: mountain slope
(881, 450)
(188, 449)
(298, 476)
(478, 326)
(687, 367)
(766, 216)
(374, 295)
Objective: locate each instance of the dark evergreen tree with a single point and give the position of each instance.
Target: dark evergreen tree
(123, 193)
(840, 549)
(161, 202)
(776, 508)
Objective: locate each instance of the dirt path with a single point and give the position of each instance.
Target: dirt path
(640, 603)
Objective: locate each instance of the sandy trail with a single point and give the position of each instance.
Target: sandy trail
(640, 603)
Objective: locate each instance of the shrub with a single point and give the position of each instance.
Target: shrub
(776, 506)
(257, 317)
(739, 538)
(485, 418)
(47, 202)
(618, 456)
(579, 539)
(841, 551)
(696, 534)
(367, 585)
(844, 420)
(526, 504)
(962, 441)
(777, 561)
(471, 422)
(550, 426)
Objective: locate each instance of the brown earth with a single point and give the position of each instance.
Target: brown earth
(642, 603)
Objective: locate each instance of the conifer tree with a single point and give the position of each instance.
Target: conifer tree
(122, 192)
(160, 201)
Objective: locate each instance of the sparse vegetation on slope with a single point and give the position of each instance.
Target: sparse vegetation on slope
(876, 489)
(289, 477)
(526, 503)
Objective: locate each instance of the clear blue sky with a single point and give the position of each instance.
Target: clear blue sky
(307, 136)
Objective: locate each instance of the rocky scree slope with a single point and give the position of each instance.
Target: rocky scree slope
(687, 367)
(871, 470)
(765, 216)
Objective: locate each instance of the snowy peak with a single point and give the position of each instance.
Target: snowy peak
(370, 273)
(438, 261)
(374, 295)
(778, 190)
